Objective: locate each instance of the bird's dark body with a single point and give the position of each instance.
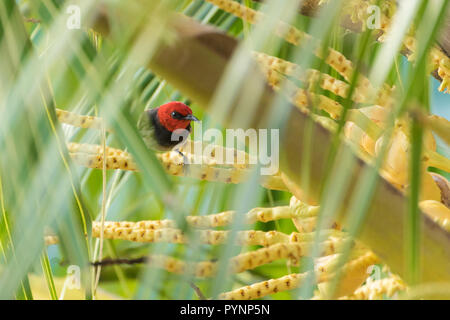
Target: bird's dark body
(163, 136)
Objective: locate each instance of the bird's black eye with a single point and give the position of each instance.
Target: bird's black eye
(176, 115)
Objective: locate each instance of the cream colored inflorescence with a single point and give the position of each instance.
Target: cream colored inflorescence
(277, 246)
(291, 34)
(438, 60)
(91, 156)
(378, 289)
(351, 270)
(77, 120)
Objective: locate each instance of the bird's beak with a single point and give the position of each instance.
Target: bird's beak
(190, 117)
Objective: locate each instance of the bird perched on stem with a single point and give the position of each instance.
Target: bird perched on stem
(167, 127)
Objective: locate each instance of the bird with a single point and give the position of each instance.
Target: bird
(160, 127)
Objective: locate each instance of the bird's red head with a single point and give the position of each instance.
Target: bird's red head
(175, 115)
